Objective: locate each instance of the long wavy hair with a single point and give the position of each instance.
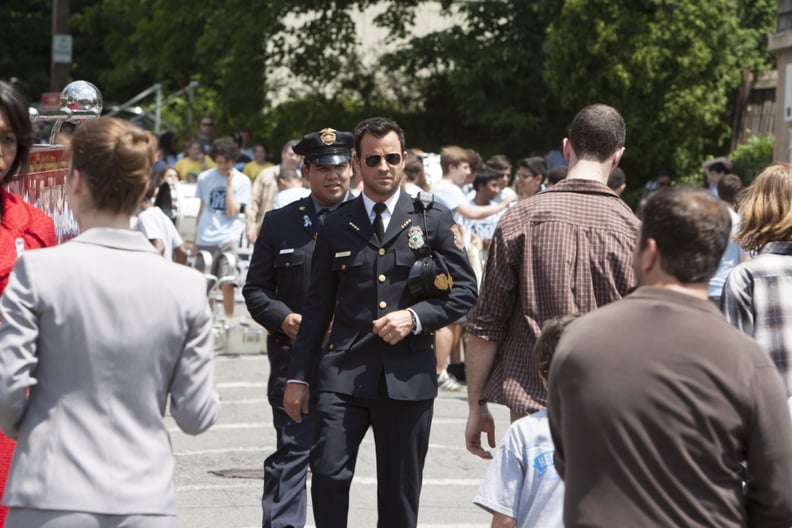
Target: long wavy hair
(766, 208)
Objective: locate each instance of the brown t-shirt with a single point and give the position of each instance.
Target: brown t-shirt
(564, 251)
(654, 401)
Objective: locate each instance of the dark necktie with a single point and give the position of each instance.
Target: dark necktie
(379, 227)
(322, 214)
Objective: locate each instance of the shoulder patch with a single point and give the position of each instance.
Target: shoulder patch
(459, 240)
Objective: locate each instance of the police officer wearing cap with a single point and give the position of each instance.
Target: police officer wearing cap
(377, 367)
(279, 273)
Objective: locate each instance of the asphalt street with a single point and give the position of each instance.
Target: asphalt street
(218, 474)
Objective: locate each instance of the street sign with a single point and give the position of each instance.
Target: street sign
(62, 49)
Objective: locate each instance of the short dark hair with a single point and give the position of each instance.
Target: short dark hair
(165, 142)
(226, 147)
(664, 171)
(616, 178)
(15, 109)
(718, 167)
(691, 229)
(596, 132)
(378, 127)
(556, 174)
(498, 162)
(548, 339)
(729, 187)
(483, 176)
(414, 171)
(536, 164)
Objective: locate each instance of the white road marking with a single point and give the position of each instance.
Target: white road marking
(249, 401)
(227, 358)
(257, 425)
(360, 481)
(224, 451)
(239, 384)
(268, 448)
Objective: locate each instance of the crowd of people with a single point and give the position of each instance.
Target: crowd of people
(643, 355)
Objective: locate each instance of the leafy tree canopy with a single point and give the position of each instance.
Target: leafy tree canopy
(671, 68)
(506, 76)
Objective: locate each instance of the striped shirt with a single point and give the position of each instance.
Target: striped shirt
(566, 250)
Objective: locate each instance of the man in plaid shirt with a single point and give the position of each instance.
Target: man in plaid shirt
(567, 250)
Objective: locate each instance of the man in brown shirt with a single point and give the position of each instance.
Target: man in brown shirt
(563, 251)
(655, 400)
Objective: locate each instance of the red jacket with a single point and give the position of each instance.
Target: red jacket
(21, 221)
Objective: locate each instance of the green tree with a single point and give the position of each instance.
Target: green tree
(671, 67)
(479, 82)
(219, 43)
(507, 76)
(25, 44)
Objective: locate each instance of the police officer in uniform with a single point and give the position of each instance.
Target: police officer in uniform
(377, 367)
(279, 272)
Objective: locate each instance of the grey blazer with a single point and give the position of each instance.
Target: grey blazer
(101, 330)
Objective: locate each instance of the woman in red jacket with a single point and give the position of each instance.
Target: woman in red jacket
(22, 226)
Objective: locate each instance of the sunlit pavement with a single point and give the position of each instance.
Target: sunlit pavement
(243, 437)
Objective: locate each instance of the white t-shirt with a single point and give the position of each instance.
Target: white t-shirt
(412, 189)
(448, 194)
(522, 481)
(483, 227)
(452, 196)
(214, 227)
(287, 196)
(505, 193)
(154, 224)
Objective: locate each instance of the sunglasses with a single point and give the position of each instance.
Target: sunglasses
(373, 160)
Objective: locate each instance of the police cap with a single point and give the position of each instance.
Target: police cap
(326, 147)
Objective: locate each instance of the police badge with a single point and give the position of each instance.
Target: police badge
(327, 136)
(415, 238)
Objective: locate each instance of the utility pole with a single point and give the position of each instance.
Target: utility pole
(60, 61)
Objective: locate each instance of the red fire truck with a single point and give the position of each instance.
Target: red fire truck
(43, 185)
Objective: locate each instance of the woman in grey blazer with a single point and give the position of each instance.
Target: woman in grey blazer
(96, 334)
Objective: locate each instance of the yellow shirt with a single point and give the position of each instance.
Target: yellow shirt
(252, 169)
(186, 167)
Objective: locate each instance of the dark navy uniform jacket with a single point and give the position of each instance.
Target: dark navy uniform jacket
(279, 272)
(356, 279)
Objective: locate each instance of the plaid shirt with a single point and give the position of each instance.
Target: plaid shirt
(757, 299)
(566, 250)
